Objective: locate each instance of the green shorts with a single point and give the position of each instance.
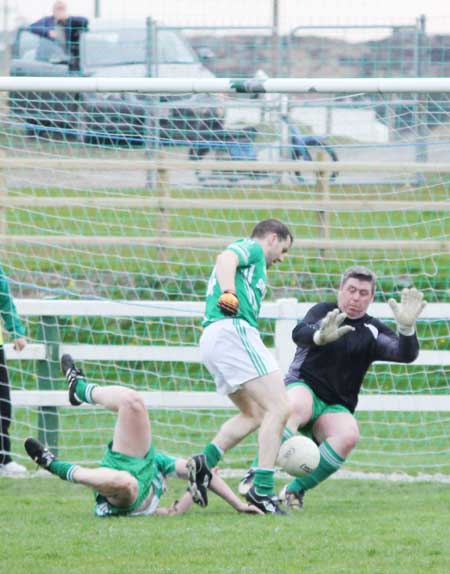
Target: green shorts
(319, 407)
(149, 472)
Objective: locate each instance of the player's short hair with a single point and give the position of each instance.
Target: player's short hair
(266, 226)
(360, 273)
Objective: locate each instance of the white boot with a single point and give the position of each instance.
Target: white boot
(12, 469)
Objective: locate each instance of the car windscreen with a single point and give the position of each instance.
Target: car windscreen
(115, 48)
(31, 47)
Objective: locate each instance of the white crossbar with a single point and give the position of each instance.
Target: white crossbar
(226, 85)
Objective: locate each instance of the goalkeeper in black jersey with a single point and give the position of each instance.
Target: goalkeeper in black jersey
(336, 344)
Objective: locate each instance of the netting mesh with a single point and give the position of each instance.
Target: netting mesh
(86, 212)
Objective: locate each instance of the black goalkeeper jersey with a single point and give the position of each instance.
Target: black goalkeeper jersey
(335, 371)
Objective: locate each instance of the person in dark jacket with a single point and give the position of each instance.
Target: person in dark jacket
(64, 30)
(336, 344)
(14, 326)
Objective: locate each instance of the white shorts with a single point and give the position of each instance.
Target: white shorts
(233, 352)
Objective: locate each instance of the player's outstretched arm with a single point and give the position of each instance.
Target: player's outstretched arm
(408, 310)
(221, 488)
(178, 507)
(217, 485)
(330, 328)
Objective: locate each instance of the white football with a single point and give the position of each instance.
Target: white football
(298, 456)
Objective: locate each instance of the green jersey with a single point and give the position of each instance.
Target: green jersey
(251, 281)
(8, 310)
(149, 471)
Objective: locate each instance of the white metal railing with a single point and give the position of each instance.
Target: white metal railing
(285, 312)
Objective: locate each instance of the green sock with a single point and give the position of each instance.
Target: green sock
(287, 433)
(213, 454)
(84, 390)
(62, 469)
(329, 463)
(264, 481)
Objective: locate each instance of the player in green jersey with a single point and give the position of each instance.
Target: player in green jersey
(242, 367)
(131, 476)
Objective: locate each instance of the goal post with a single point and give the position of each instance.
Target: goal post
(116, 194)
(228, 85)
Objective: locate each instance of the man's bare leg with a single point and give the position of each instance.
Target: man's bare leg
(337, 434)
(340, 430)
(262, 402)
(301, 407)
(239, 426)
(270, 394)
(118, 486)
(300, 404)
(132, 437)
(132, 434)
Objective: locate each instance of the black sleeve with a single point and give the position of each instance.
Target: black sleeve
(79, 23)
(304, 331)
(393, 347)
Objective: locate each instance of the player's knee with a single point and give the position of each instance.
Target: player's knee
(126, 488)
(122, 483)
(133, 401)
(282, 409)
(297, 412)
(351, 437)
(257, 416)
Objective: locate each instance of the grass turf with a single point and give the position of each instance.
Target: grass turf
(348, 527)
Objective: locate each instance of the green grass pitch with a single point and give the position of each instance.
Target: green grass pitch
(348, 527)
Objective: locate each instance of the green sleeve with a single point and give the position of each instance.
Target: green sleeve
(165, 464)
(247, 250)
(8, 310)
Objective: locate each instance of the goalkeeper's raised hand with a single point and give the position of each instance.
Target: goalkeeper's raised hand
(330, 328)
(406, 313)
(229, 303)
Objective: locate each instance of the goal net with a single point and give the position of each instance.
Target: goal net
(114, 205)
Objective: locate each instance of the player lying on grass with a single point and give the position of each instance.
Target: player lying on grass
(131, 476)
(336, 344)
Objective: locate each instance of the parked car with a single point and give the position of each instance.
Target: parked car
(106, 50)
